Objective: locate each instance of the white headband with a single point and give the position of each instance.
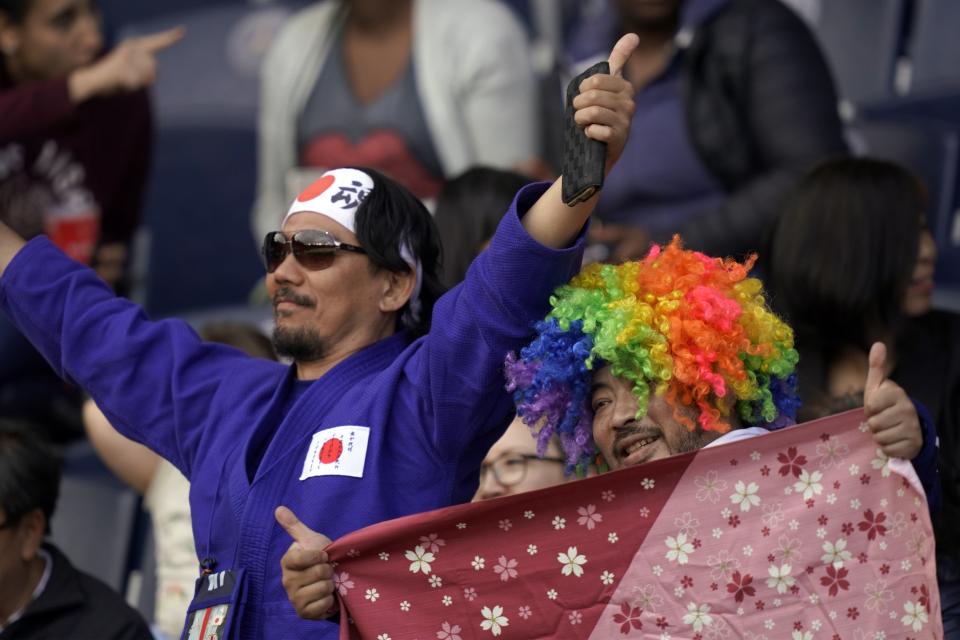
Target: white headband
(337, 194)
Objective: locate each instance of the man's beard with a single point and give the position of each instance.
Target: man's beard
(303, 345)
(689, 441)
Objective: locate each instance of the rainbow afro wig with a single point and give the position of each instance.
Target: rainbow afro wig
(677, 323)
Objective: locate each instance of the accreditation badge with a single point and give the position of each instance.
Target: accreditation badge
(213, 608)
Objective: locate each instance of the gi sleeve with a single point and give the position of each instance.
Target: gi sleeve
(156, 382)
(458, 371)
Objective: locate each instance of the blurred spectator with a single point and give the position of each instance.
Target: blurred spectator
(734, 102)
(851, 261)
(376, 83)
(468, 211)
(513, 466)
(74, 150)
(41, 594)
(166, 491)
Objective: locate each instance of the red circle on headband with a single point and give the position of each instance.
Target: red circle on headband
(331, 450)
(315, 189)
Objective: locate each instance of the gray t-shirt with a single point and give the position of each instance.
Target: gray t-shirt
(389, 134)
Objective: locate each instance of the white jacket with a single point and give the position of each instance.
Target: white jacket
(473, 74)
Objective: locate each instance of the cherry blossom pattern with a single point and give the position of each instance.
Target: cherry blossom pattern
(709, 486)
(745, 495)
(915, 616)
(342, 583)
(882, 463)
(432, 543)
(831, 452)
(698, 616)
(449, 631)
(507, 569)
(791, 462)
(835, 553)
(878, 596)
(780, 578)
(420, 560)
(687, 524)
(627, 618)
(679, 549)
(494, 620)
(589, 517)
(740, 586)
(808, 484)
(873, 525)
(835, 580)
(572, 562)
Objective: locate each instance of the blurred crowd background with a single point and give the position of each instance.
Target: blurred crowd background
(751, 115)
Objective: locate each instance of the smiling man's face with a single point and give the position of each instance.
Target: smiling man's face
(625, 441)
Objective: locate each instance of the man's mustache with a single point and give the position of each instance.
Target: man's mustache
(287, 295)
(645, 431)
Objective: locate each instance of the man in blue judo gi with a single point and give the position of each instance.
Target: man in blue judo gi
(378, 417)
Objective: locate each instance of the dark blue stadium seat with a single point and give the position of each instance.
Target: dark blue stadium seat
(861, 40)
(95, 519)
(932, 151)
(935, 47)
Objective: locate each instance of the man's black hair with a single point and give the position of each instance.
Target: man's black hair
(29, 473)
(389, 216)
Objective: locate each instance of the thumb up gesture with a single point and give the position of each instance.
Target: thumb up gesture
(307, 572)
(890, 414)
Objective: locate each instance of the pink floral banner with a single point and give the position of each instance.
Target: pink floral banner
(807, 533)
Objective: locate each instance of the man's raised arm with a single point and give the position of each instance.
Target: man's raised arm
(605, 108)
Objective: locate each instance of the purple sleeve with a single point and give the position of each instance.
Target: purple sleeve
(459, 370)
(33, 108)
(156, 382)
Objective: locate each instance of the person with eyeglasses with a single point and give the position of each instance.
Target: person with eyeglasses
(512, 465)
(393, 396)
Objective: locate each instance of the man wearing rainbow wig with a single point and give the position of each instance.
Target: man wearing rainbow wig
(674, 352)
(392, 398)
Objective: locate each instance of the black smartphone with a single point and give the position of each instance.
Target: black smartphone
(583, 158)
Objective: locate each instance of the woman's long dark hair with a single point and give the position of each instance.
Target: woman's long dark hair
(843, 251)
(839, 263)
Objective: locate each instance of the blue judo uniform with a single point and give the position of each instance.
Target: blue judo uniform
(419, 415)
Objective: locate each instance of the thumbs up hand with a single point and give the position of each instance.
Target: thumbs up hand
(307, 572)
(605, 106)
(890, 414)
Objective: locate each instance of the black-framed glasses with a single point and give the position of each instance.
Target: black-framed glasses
(511, 468)
(313, 248)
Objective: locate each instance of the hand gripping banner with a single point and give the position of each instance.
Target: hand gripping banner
(807, 533)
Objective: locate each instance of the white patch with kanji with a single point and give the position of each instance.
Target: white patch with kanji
(338, 451)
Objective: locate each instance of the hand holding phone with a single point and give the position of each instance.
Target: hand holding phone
(597, 123)
(583, 158)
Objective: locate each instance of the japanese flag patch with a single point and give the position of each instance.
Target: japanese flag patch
(338, 451)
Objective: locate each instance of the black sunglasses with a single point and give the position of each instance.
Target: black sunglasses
(313, 248)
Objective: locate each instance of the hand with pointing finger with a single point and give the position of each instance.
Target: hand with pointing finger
(307, 572)
(132, 65)
(605, 105)
(890, 414)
